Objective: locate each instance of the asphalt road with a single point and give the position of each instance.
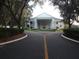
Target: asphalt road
(41, 45)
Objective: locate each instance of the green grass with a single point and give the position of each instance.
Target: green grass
(37, 30)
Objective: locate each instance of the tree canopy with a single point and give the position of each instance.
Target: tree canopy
(11, 12)
(69, 8)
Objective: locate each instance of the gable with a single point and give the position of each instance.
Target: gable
(45, 16)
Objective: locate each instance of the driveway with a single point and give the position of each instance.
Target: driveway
(41, 45)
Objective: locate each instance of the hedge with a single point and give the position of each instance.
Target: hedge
(10, 32)
(72, 33)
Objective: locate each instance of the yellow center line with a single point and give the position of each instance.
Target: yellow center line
(45, 47)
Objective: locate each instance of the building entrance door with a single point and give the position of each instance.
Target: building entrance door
(44, 24)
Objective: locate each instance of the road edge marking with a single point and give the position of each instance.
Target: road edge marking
(45, 48)
(4, 43)
(69, 39)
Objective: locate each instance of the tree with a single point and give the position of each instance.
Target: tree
(14, 11)
(15, 8)
(68, 9)
(4, 15)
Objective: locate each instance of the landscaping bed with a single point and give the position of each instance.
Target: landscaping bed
(8, 32)
(5, 39)
(72, 33)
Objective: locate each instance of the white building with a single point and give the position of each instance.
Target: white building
(46, 21)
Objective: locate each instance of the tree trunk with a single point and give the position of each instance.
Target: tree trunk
(69, 23)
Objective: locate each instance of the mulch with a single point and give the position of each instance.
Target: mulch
(12, 37)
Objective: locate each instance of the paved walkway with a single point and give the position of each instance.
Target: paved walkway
(41, 45)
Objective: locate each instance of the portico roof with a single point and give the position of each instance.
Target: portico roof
(44, 16)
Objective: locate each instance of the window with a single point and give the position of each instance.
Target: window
(60, 25)
(56, 22)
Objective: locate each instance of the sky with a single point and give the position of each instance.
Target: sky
(46, 8)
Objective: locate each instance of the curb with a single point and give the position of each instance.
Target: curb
(4, 43)
(69, 39)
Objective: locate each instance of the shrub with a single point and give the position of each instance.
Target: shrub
(10, 32)
(72, 33)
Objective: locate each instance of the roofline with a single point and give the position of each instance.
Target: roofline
(47, 14)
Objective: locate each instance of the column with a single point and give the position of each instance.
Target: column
(52, 24)
(35, 25)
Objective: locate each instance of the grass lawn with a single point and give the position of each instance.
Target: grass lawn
(37, 30)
